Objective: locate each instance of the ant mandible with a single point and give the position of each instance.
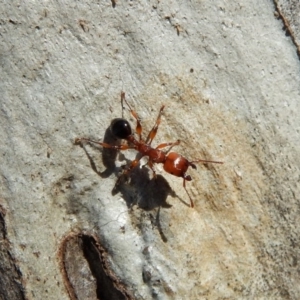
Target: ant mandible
(173, 162)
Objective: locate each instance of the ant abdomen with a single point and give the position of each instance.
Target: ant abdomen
(120, 128)
(176, 164)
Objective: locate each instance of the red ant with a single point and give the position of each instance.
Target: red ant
(173, 163)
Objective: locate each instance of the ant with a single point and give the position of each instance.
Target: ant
(173, 162)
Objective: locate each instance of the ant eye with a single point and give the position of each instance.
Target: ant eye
(120, 128)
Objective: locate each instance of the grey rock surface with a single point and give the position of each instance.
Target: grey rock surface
(230, 81)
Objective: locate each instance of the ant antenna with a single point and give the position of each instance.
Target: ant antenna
(138, 129)
(122, 106)
(124, 99)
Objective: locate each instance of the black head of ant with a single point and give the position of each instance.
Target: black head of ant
(120, 128)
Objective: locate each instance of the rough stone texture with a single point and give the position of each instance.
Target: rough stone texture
(230, 81)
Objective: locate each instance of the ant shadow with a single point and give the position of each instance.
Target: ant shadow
(109, 156)
(148, 194)
(136, 188)
(144, 192)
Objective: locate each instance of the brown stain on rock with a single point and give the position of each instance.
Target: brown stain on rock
(222, 236)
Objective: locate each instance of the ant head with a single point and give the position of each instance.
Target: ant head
(120, 128)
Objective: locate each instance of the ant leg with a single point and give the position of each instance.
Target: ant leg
(132, 165)
(105, 145)
(153, 131)
(168, 144)
(138, 128)
(184, 179)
